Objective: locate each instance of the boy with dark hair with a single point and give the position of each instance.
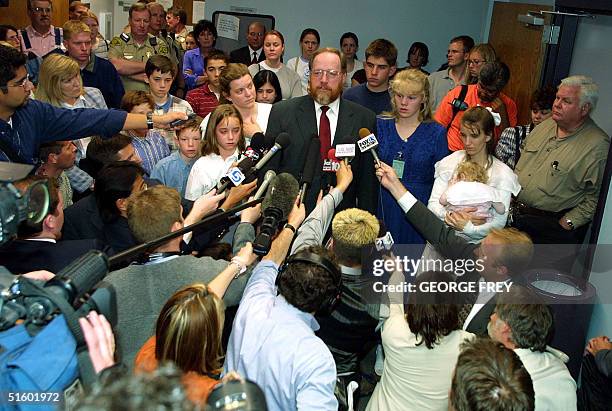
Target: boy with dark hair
(205, 98)
(160, 72)
(380, 65)
(173, 171)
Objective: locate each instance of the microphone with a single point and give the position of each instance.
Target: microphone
(311, 163)
(282, 142)
(242, 171)
(276, 206)
(346, 150)
(270, 174)
(235, 175)
(256, 146)
(367, 142)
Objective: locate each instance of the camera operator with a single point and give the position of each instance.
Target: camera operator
(39, 246)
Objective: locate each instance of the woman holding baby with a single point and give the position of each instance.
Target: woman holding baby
(472, 189)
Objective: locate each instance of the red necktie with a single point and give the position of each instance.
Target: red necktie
(324, 132)
(254, 61)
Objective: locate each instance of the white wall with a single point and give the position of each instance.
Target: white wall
(402, 21)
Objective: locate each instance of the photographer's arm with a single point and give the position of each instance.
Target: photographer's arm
(317, 223)
(280, 245)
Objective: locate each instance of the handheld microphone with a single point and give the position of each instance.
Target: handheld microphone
(282, 142)
(346, 150)
(312, 162)
(367, 142)
(276, 206)
(242, 171)
(235, 175)
(270, 174)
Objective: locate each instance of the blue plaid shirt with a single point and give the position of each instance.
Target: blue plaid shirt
(151, 149)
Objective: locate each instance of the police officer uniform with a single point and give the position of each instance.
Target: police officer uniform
(124, 47)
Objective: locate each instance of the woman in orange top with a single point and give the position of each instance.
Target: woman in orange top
(188, 333)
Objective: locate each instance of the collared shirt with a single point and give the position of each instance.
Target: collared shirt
(332, 115)
(257, 53)
(124, 47)
(511, 143)
(560, 174)
(440, 83)
(483, 298)
(553, 385)
(36, 123)
(41, 44)
(101, 74)
(206, 173)
(173, 171)
(175, 105)
(273, 344)
(202, 100)
(193, 66)
(150, 148)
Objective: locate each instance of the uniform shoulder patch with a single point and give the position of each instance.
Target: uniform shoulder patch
(163, 49)
(115, 42)
(125, 37)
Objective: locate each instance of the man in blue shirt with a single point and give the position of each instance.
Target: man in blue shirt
(25, 123)
(273, 341)
(380, 65)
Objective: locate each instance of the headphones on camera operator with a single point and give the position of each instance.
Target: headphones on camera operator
(329, 267)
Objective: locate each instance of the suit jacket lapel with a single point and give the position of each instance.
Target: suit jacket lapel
(345, 123)
(306, 119)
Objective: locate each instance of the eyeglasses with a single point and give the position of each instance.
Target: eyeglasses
(256, 34)
(40, 10)
(475, 62)
(21, 83)
(330, 73)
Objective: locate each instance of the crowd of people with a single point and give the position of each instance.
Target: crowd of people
(453, 175)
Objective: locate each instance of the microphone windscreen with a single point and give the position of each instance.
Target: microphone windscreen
(331, 154)
(364, 132)
(258, 142)
(281, 194)
(313, 159)
(283, 140)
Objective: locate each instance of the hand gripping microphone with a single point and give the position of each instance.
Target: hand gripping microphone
(312, 163)
(367, 142)
(242, 171)
(276, 206)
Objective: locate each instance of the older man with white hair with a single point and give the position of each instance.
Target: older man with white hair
(561, 168)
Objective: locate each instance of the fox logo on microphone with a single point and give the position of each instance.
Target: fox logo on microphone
(367, 143)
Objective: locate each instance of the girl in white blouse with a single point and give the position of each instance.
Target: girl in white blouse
(222, 145)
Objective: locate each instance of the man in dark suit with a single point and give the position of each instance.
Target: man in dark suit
(38, 246)
(253, 53)
(325, 114)
(500, 258)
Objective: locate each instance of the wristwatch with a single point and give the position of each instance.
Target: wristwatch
(241, 266)
(150, 120)
(569, 223)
